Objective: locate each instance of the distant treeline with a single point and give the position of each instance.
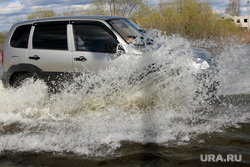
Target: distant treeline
(193, 19)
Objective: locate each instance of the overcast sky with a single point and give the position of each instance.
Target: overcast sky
(11, 10)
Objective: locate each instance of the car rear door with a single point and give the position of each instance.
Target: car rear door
(48, 49)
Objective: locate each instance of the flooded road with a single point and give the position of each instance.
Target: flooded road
(112, 121)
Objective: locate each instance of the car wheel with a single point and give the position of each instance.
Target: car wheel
(20, 78)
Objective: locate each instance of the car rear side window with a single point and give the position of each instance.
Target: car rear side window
(50, 36)
(20, 37)
(94, 38)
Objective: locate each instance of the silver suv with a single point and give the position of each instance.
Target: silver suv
(48, 48)
(53, 49)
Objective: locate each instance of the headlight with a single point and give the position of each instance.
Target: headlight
(203, 60)
(201, 64)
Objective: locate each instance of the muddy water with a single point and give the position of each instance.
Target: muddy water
(113, 120)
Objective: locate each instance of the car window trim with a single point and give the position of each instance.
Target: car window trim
(50, 23)
(96, 23)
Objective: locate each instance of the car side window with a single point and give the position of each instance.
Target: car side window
(50, 36)
(94, 38)
(20, 37)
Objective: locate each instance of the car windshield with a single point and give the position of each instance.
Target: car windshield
(126, 28)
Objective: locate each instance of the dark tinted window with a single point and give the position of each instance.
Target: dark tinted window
(50, 37)
(94, 38)
(20, 37)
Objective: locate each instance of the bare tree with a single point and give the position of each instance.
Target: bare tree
(70, 12)
(233, 8)
(100, 7)
(115, 7)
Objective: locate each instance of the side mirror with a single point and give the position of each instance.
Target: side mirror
(114, 48)
(110, 47)
(120, 50)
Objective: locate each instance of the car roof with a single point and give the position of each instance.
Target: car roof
(68, 18)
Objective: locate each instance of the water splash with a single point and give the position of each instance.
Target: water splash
(123, 102)
(235, 76)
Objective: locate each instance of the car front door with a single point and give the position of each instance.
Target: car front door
(94, 46)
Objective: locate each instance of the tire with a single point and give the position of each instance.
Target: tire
(20, 78)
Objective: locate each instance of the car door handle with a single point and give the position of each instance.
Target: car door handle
(35, 57)
(81, 58)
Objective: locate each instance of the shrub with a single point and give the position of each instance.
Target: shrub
(193, 19)
(41, 13)
(2, 37)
